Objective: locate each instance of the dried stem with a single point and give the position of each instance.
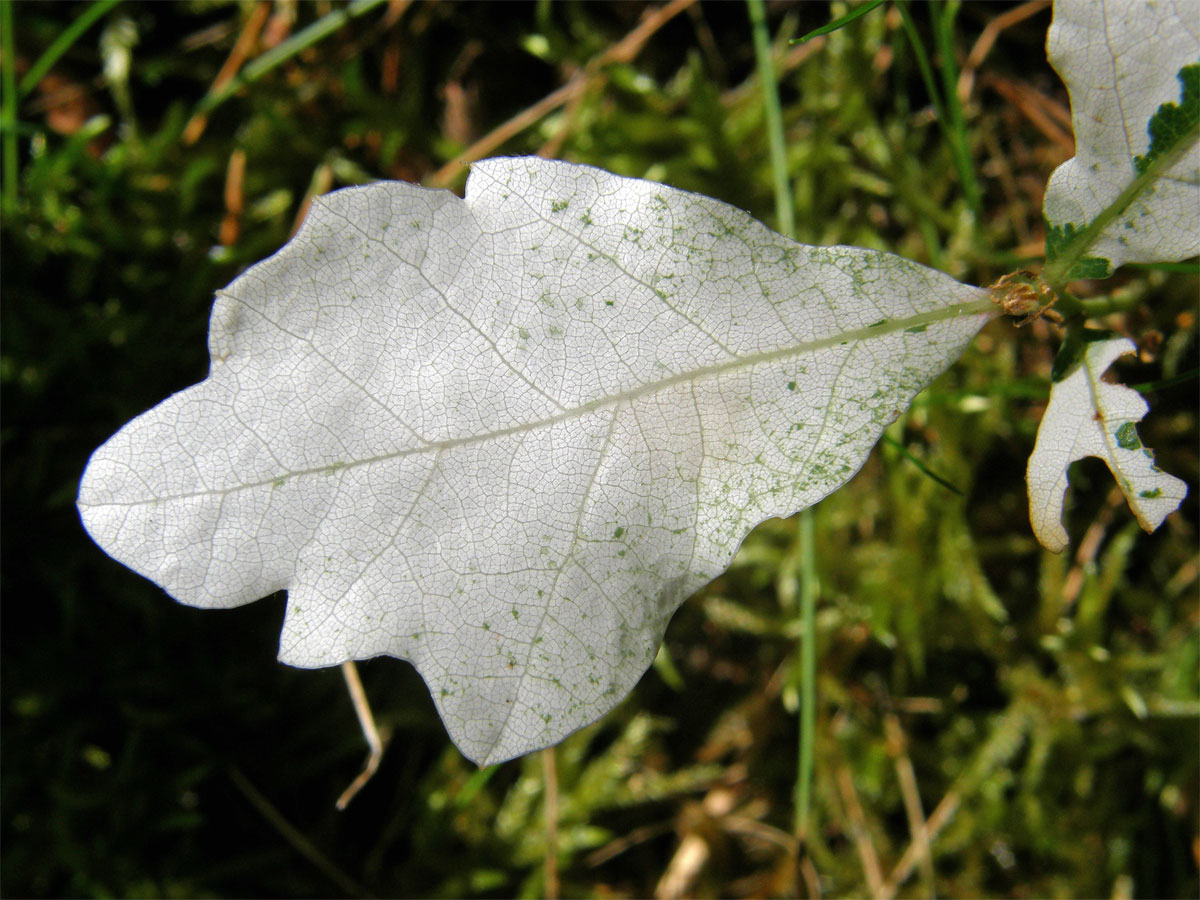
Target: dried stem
(623, 51)
(363, 710)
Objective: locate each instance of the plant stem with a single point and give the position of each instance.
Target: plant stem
(550, 774)
(947, 107)
(804, 527)
(63, 43)
(302, 40)
(784, 213)
(9, 114)
(955, 125)
(806, 538)
(841, 22)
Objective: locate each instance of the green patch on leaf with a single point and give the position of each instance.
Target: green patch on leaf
(1173, 122)
(1059, 237)
(1127, 437)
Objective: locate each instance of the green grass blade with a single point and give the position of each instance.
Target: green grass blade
(806, 672)
(1182, 378)
(955, 124)
(841, 22)
(9, 114)
(277, 55)
(784, 211)
(945, 104)
(922, 58)
(925, 470)
(63, 43)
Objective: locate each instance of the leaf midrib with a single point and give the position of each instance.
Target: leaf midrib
(891, 326)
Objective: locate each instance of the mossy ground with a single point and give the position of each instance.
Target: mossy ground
(1038, 713)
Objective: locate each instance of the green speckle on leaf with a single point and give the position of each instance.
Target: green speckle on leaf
(1152, 494)
(620, 531)
(915, 329)
(791, 385)
(559, 205)
(1127, 437)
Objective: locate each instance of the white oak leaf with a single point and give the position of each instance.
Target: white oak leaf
(1090, 417)
(504, 437)
(1132, 192)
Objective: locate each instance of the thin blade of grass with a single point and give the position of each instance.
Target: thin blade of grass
(804, 540)
(805, 766)
(277, 55)
(9, 115)
(925, 470)
(1182, 378)
(784, 212)
(61, 44)
(951, 123)
(955, 126)
(841, 22)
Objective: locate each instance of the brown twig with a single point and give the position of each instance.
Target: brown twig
(689, 858)
(367, 721)
(237, 57)
(933, 825)
(1048, 116)
(1089, 546)
(859, 831)
(293, 835)
(321, 182)
(235, 176)
(907, 776)
(987, 39)
(623, 51)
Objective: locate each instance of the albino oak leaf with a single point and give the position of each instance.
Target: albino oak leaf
(504, 437)
(1132, 192)
(1090, 417)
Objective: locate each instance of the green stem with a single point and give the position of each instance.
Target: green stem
(945, 102)
(63, 43)
(274, 57)
(1056, 270)
(9, 113)
(922, 58)
(1094, 307)
(955, 126)
(807, 671)
(767, 81)
(840, 22)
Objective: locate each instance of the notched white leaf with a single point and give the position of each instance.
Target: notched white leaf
(1090, 417)
(1131, 69)
(504, 437)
